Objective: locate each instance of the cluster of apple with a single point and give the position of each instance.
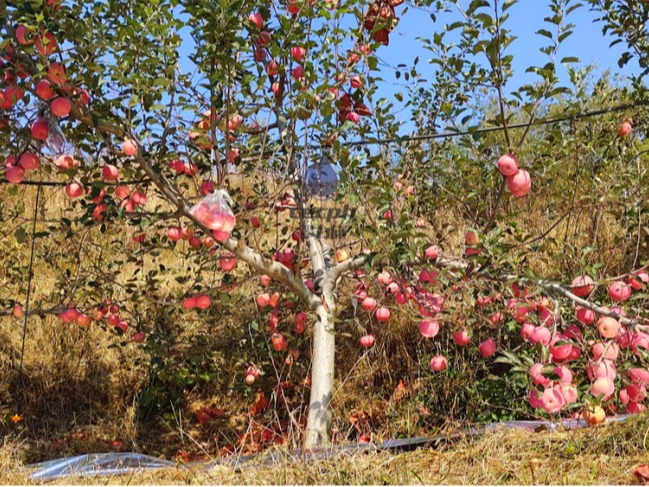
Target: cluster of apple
(16, 171)
(107, 310)
(229, 125)
(409, 191)
(279, 340)
(72, 315)
(564, 347)
(201, 301)
(251, 374)
(216, 215)
(557, 381)
(350, 110)
(350, 106)
(176, 234)
(278, 307)
(518, 180)
(271, 66)
(110, 311)
(286, 201)
(429, 304)
(382, 11)
(567, 346)
(227, 263)
(41, 44)
(295, 6)
(110, 173)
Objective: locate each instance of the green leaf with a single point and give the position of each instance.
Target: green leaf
(21, 235)
(508, 4)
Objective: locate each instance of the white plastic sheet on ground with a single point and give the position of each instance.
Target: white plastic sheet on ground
(93, 464)
(101, 464)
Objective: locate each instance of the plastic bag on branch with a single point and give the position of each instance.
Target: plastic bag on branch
(215, 213)
(55, 139)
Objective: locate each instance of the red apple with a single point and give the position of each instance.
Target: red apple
(29, 161)
(383, 314)
(367, 341)
(61, 106)
(129, 147)
(110, 172)
(44, 90)
(74, 190)
(40, 130)
(438, 363)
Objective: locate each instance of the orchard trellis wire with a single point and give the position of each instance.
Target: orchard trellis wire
(446, 135)
(416, 138)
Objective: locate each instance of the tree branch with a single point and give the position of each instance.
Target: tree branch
(551, 287)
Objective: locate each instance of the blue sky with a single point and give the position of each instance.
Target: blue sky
(526, 17)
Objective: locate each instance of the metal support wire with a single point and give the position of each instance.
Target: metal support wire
(414, 138)
(444, 135)
(29, 288)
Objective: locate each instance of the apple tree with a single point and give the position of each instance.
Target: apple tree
(232, 126)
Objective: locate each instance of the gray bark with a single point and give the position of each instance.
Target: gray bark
(322, 381)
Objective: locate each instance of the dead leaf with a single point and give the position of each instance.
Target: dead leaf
(283, 426)
(260, 405)
(226, 451)
(181, 456)
(361, 421)
(214, 412)
(400, 392)
(642, 473)
(284, 385)
(270, 436)
(205, 414)
(197, 458)
(201, 416)
(252, 447)
(116, 445)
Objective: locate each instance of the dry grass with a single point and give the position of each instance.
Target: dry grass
(603, 455)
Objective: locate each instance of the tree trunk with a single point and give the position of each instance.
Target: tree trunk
(322, 381)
